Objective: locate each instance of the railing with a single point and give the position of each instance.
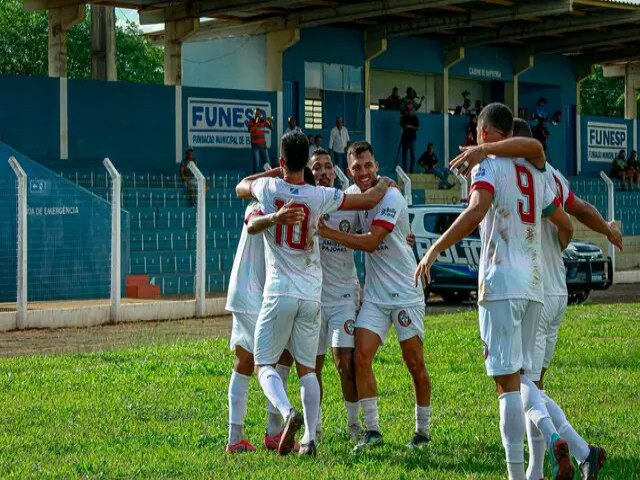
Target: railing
(21, 274)
(464, 186)
(116, 239)
(406, 182)
(611, 212)
(344, 180)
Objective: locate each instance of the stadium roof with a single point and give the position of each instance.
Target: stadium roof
(598, 30)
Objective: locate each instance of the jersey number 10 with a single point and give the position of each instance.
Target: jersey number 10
(295, 236)
(526, 207)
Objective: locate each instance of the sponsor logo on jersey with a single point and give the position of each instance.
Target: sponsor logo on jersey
(349, 327)
(345, 226)
(403, 318)
(480, 172)
(388, 212)
(294, 191)
(336, 194)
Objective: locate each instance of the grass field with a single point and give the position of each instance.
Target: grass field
(160, 410)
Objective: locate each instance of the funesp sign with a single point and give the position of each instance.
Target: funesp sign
(605, 140)
(214, 122)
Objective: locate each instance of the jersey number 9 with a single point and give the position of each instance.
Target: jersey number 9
(526, 207)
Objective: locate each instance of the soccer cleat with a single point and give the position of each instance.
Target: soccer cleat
(240, 447)
(418, 441)
(294, 422)
(271, 442)
(355, 431)
(561, 466)
(308, 449)
(369, 439)
(591, 466)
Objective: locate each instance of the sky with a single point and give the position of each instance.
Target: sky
(124, 15)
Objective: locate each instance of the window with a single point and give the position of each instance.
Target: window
(439, 223)
(312, 114)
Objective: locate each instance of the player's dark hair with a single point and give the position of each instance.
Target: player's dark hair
(521, 128)
(295, 150)
(318, 152)
(308, 177)
(356, 148)
(498, 116)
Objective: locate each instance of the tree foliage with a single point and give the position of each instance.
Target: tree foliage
(603, 96)
(24, 45)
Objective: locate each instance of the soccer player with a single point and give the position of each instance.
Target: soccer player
(390, 298)
(291, 298)
(590, 458)
(243, 302)
(508, 198)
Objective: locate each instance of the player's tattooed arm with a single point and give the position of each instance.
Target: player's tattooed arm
(467, 222)
(528, 148)
(565, 228)
(368, 199)
(589, 216)
(243, 189)
(357, 241)
(286, 215)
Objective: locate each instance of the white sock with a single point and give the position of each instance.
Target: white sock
(271, 384)
(370, 410)
(310, 393)
(535, 408)
(274, 422)
(423, 419)
(512, 427)
(238, 396)
(319, 422)
(537, 449)
(577, 446)
(353, 417)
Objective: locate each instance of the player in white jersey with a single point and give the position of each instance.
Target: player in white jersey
(244, 300)
(589, 457)
(510, 198)
(291, 304)
(390, 298)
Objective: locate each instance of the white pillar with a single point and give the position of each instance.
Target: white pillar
(21, 240)
(116, 240)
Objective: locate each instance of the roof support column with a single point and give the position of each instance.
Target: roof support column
(176, 32)
(373, 46)
(60, 21)
(583, 70)
(523, 63)
(103, 43)
(451, 57)
(631, 86)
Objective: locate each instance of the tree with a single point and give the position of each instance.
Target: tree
(24, 44)
(603, 96)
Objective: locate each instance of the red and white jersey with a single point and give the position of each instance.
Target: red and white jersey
(246, 282)
(511, 231)
(389, 270)
(292, 252)
(554, 273)
(339, 275)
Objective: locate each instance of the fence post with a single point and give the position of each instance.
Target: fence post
(21, 240)
(406, 182)
(116, 240)
(344, 180)
(201, 241)
(464, 186)
(611, 213)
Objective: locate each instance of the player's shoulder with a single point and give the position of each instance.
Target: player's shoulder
(394, 196)
(353, 189)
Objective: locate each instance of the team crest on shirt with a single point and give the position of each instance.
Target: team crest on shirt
(403, 318)
(349, 327)
(325, 217)
(345, 226)
(486, 349)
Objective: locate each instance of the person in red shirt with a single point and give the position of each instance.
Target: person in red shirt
(257, 129)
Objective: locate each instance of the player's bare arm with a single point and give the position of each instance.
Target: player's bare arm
(368, 199)
(528, 148)
(286, 215)
(357, 241)
(565, 228)
(243, 189)
(467, 222)
(589, 216)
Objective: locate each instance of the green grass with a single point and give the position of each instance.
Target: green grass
(160, 410)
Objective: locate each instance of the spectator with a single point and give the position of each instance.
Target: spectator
(410, 124)
(411, 99)
(310, 140)
(256, 127)
(477, 108)
(619, 168)
(472, 131)
(466, 107)
(314, 144)
(633, 170)
(522, 112)
(187, 178)
(291, 121)
(338, 143)
(395, 95)
(556, 118)
(429, 162)
(541, 110)
(541, 134)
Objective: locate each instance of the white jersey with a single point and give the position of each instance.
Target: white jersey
(510, 263)
(292, 252)
(389, 270)
(248, 273)
(554, 273)
(339, 275)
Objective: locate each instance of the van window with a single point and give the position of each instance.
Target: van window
(438, 223)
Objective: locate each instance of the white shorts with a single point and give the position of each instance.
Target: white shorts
(287, 318)
(338, 323)
(547, 334)
(243, 330)
(507, 330)
(408, 321)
